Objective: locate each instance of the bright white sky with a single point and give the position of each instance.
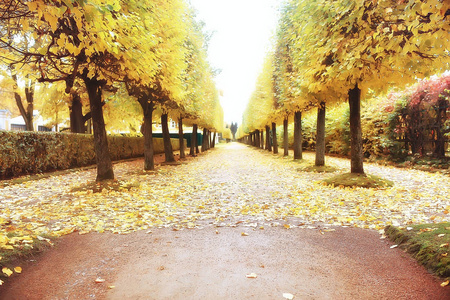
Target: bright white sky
(243, 31)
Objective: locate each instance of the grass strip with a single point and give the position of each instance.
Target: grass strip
(427, 243)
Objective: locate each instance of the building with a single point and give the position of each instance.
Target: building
(18, 123)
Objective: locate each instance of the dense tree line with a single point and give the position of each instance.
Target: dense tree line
(328, 52)
(151, 53)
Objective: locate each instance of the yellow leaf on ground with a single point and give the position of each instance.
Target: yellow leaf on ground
(18, 270)
(445, 283)
(99, 280)
(7, 271)
(443, 245)
(1, 282)
(287, 226)
(252, 275)
(244, 234)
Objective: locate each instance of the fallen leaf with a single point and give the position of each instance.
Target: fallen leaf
(18, 270)
(217, 231)
(7, 271)
(445, 283)
(244, 234)
(444, 254)
(252, 275)
(99, 280)
(287, 226)
(288, 296)
(111, 287)
(441, 235)
(443, 245)
(394, 246)
(1, 282)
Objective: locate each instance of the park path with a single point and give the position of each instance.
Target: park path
(196, 230)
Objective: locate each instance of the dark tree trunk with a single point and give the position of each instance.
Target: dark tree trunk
(147, 131)
(76, 115)
(320, 135)
(357, 155)
(262, 139)
(181, 137)
(298, 135)
(268, 144)
(26, 113)
(193, 140)
(205, 140)
(168, 151)
(197, 150)
(285, 137)
(102, 156)
(209, 139)
(213, 141)
(274, 138)
(257, 139)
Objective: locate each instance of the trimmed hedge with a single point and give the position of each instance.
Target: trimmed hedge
(36, 152)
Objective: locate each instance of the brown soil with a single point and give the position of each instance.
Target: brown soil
(211, 261)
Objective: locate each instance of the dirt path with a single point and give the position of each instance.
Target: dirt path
(292, 240)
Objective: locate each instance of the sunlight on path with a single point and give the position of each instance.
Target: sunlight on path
(232, 184)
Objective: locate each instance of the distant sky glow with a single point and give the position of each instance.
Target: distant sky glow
(243, 31)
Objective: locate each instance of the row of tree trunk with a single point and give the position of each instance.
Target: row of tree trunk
(256, 138)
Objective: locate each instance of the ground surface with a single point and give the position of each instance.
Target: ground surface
(196, 230)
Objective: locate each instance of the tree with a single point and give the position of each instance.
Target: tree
(233, 128)
(92, 41)
(366, 44)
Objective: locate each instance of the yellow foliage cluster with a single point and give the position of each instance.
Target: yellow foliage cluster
(325, 48)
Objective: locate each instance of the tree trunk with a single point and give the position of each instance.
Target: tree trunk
(268, 144)
(147, 131)
(197, 150)
(193, 140)
(285, 137)
(213, 141)
(357, 155)
(274, 138)
(181, 137)
(262, 139)
(102, 156)
(208, 144)
(298, 135)
(320, 135)
(168, 151)
(26, 113)
(205, 140)
(76, 115)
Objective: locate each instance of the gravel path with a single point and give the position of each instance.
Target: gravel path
(196, 230)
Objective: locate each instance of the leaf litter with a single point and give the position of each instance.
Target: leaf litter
(231, 186)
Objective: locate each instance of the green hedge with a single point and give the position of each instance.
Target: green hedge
(36, 152)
